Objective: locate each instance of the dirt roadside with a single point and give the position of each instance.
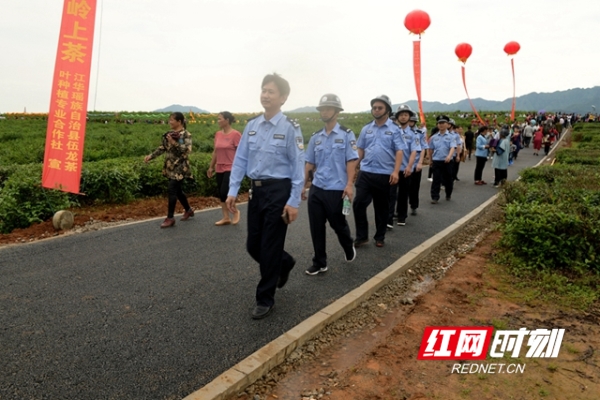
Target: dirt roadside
(372, 352)
(96, 217)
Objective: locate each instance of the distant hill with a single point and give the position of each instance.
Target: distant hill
(183, 109)
(303, 110)
(572, 100)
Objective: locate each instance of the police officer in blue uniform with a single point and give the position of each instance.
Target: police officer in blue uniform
(331, 158)
(456, 131)
(380, 147)
(271, 154)
(415, 178)
(399, 192)
(442, 147)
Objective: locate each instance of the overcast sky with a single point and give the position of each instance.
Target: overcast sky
(213, 54)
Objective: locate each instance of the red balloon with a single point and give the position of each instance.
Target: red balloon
(463, 51)
(417, 21)
(512, 48)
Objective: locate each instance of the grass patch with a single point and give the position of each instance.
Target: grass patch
(571, 349)
(535, 287)
(500, 324)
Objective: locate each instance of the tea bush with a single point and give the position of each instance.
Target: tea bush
(23, 201)
(549, 236)
(552, 218)
(109, 181)
(580, 155)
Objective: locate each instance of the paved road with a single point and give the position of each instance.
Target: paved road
(136, 312)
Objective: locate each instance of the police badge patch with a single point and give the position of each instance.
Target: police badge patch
(353, 144)
(300, 142)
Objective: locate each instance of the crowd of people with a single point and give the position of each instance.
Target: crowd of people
(337, 173)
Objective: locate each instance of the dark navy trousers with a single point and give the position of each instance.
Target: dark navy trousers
(266, 236)
(323, 206)
(376, 188)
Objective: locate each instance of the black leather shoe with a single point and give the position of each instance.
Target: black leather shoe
(283, 278)
(261, 312)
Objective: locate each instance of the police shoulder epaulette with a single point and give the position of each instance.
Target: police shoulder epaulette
(294, 123)
(314, 133)
(347, 130)
(256, 116)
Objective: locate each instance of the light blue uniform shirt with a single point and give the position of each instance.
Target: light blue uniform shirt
(412, 143)
(329, 153)
(441, 145)
(271, 149)
(480, 143)
(459, 142)
(380, 144)
(421, 136)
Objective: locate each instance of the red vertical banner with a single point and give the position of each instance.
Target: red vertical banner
(68, 101)
(512, 112)
(468, 97)
(417, 72)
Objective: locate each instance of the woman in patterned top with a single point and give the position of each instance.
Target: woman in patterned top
(177, 144)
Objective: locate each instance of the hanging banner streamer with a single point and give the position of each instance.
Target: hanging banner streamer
(514, 102)
(68, 101)
(467, 92)
(512, 48)
(417, 72)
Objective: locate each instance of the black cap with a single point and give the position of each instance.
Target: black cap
(442, 118)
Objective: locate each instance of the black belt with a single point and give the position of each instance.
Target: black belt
(266, 182)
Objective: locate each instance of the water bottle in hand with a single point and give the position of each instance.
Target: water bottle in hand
(346, 206)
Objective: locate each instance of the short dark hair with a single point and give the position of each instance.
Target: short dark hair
(282, 85)
(177, 116)
(228, 116)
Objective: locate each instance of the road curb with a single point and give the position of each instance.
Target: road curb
(253, 367)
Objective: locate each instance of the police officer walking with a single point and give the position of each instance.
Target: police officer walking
(331, 158)
(380, 147)
(415, 179)
(442, 147)
(399, 192)
(271, 154)
(457, 132)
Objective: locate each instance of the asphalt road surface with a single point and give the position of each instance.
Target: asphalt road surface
(138, 312)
